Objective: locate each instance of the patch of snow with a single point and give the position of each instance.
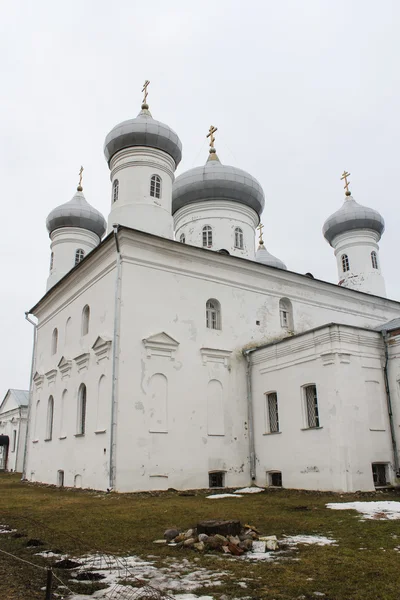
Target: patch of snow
(50, 554)
(249, 490)
(215, 496)
(381, 510)
(7, 530)
(319, 540)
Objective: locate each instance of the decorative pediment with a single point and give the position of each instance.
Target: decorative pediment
(82, 361)
(51, 376)
(101, 348)
(215, 355)
(65, 367)
(161, 344)
(38, 380)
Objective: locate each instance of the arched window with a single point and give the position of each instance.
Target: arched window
(345, 263)
(374, 259)
(115, 190)
(50, 415)
(63, 409)
(54, 341)
(85, 319)
(36, 424)
(207, 236)
(81, 425)
(155, 186)
(238, 238)
(79, 255)
(67, 335)
(286, 314)
(182, 238)
(51, 261)
(213, 314)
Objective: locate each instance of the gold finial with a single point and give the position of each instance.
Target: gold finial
(80, 188)
(144, 103)
(344, 176)
(260, 239)
(210, 134)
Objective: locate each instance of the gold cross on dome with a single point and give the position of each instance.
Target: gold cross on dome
(212, 130)
(260, 228)
(344, 176)
(80, 176)
(146, 83)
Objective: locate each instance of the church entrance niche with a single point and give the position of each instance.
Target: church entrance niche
(4, 444)
(60, 478)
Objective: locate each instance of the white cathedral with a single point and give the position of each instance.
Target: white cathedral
(170, 353)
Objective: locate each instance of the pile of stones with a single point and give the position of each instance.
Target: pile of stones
(228, 537)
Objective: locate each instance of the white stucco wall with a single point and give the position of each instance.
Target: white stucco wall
(346, 365)
(223, 217)
(13, 421)
(182, 401)
(358, 245)
(134, 167)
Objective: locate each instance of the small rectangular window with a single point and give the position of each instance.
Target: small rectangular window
(272, 413)
(284, 318)
(311, 406)
(216, 479)
(379, 472)
(274, 478)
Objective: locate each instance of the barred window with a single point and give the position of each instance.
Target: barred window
(207, 236)
(155, 186)
(379, 473)
(213, 314)
(81, 426)
(345, 263)
(311, 406)
(115, 190)
(216, 479)
(374, 259)
(79, 255)
(238, 238)
(182, 238)
(272, 413)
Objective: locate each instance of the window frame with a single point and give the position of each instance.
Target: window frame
(213, 315)
(85, 324)
(345, 263)
(312, 418)
(374, 260)
(286, 314)
(79, 255)
(155, 186)
(207, 236)
(82, 405)
(270, 476)
(239, 238)
(271, 404)
(214, 474)
(115, 190)
(375, 476)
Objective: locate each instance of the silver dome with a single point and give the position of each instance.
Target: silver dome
(264, 257)
(216, 181)
(143, 131)
(76, 213)
(352, 216)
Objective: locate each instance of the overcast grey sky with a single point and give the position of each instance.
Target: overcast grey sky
(299, 90)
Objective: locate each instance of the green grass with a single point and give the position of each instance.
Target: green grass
(79, 521)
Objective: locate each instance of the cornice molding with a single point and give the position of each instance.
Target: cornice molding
(160, 344)
(101, 348)
(216, 355)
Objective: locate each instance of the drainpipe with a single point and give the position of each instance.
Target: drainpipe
(115, 359)
(30, 392)
(250, 418)
(389, 405)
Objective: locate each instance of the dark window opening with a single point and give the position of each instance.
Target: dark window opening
(216, 480)
(379, 472)
(275, 479)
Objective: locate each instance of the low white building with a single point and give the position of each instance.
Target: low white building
(197, 362)
(13, 424)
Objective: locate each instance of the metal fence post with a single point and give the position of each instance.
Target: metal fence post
(48, 583)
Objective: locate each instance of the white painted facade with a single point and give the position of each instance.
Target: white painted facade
(13, 425)
(67, 244)
(232, 226)
(134, 205)
(362, 251)
(179, 385)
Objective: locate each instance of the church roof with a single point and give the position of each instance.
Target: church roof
(215, 181)
(266, 258)
(389, 326)
(77, 213)
(20, 397)
(352, 216)
(143, 131)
